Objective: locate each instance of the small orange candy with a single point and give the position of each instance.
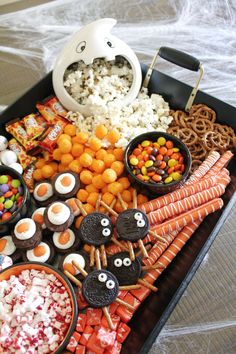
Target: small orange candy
(62, 168)
(101, 131)
(125, 182)
(75, 166)
(95, 144)
(77, 149)
(86, 177)
(66, 159)
(115, 188)
(47, 171)
(78, 221)
(37, 175)
(91, 188)
(63, 136)
(82, 195)
(57, 154)
(118, 167)
(118, 207)
(88, 208)
(100, 154)
(86, 160)
(64, 145)
(89, 151)
(70, 129)
(109, 159)
(40, 163)
(70, 268)
(82, 137)
(39, 251)
(108, 198)
(119, 154)
(54, 165)
(3, 243)
(141, 199)
(64, 237)
(23, 227)
(113, 136)
(92, 198)
(109, 175)
(126, 196)
(98, 182)
(98, 166)
(38, 218)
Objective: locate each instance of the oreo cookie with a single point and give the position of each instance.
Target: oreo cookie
(126, 271)
(96, 229)
(100, 288)
(132, 225)
(66, 184)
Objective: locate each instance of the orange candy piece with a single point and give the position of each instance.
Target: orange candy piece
(109, 176)
(82, 195)
(82, 137)
(3, 243)
(109, 159)
(64, 237)
(98, 182)
(75, 166)
(38, 218)
(86, 177)
(113, 136)
(86, 160)
(23, 227)
(118, 167)
(37, 175)
(47, 171)
(100, 154)
(70, 268)
(101, 131)
(98, 166)
(92, 198)
(78, 221)
(77, 149)
(66, 159)
(70, 129)
(39, 251)
(42, 190)
(57, 208)
(115, 188)
(95, 143)
(64, 145)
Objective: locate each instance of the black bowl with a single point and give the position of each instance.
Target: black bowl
(22, 211)
(157, 188)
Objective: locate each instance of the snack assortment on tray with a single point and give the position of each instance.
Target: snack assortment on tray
(109, 238)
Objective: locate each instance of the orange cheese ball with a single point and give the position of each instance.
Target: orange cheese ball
(102, 209)
(90, 188)
(126, 196)
(95, 144)
(109, 176)
(54, 165)
(141, 199)
(115, 188)
(64, 145)
(82, 195)
(70, 129)
(98, 166)
(100, 154)
(78, 221)
(86, 177)
(82, 137)
(77, 149)
(63, 136)
(109, 159)
(62, 168)
(85, 159)
(66, 159)
(119, 154)
(75, 166)
(40, 163)
(108, 198)
(118, 207)
(88, 208)
(92, 198)
(89, 151)
(113, 136)
(101, 131)
(57, 154)
(37, 175)
(98, 182)
(105, 189)
(47, 171)
(118, 167)
(124, 181)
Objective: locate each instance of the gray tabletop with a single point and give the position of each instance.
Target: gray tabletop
(204, 321)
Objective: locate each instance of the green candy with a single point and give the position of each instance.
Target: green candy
(17, 196)
(15, 183)
(12, 198)
(8, 204)
(2, 199)
(3, 179)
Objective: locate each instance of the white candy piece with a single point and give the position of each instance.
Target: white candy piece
(8, 157)
(17, 167)
(3, 143)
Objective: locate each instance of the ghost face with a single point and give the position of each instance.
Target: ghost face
(132, 225)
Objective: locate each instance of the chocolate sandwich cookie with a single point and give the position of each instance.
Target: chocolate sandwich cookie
(43, 193)
(5, 262)
(66, 241)
(58, 216)
(80, 257)
(43, 253)
(27, 234)
(8, 248)
(132, 225)
(96, 229)
(100, 288)
(126, 271)
(66, 184)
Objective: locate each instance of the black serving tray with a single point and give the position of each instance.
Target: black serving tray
(151, 316)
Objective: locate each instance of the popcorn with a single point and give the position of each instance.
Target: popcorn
(31, 320)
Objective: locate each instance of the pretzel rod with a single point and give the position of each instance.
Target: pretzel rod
(98, 202)
(143, 249)
(121, 200)
(129, 287)
(139, 253)
(135, 200)
(108, 208)
(98, 260)
(221, 163)
(72, 278)
(83, 211)
(131, 251)
(147, 285)
(108, 317)
(122, 302)
(118, 243)
(111, 205)
(77, 266)
(103, 256)
(92, 255)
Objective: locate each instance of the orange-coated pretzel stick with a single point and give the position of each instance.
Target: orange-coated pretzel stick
(221, 163)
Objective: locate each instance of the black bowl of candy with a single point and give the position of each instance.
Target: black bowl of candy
(14, 198)
(157, 162)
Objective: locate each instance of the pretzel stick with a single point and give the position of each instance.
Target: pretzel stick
(83, 211)
(154, 266)
(72, 278)
(147, 285)
(129, 287)
(121, 201)
(78, 266)
(121, 302)
(109, 208)
(118, 243)
(135, 200)
(97, 259)
(148, 247)
(111, 205)
(131, 251)
(143, 249)
(92, 254)
(108, 317)
(104, 256)
(98, 202)
(157, 237)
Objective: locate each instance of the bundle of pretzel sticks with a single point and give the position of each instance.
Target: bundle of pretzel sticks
(175, 216)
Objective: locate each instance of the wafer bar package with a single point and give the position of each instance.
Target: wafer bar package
(28, 177)
(33, 128)
(56, 106)
(50, 116)
(17, 130)
(23, 158)
(53, 133)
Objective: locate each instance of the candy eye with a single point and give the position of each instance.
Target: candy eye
(118, 262)
(102, 277)
(109, 43)
(126, 262)
(106, 232)
(138, 216)
(110, 284)
(104, 222)
(81, 47)
(141, 223)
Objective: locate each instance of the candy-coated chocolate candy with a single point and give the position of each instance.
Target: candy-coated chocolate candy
(6, 216)
(15, 183)
(3, 179)
(8, 204)
(161, 141)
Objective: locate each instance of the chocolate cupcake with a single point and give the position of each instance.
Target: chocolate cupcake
(27, 234)
(38, 217)
(58, 216)
(80, 257)
(100, 288)
(126, 271)
(66, 241)
(43, 193)
(132, 225)
(96, 229)
(66, 184)
(43, 253)
(8, 248)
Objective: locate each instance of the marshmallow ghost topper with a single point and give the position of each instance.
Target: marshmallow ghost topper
(90, 42)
